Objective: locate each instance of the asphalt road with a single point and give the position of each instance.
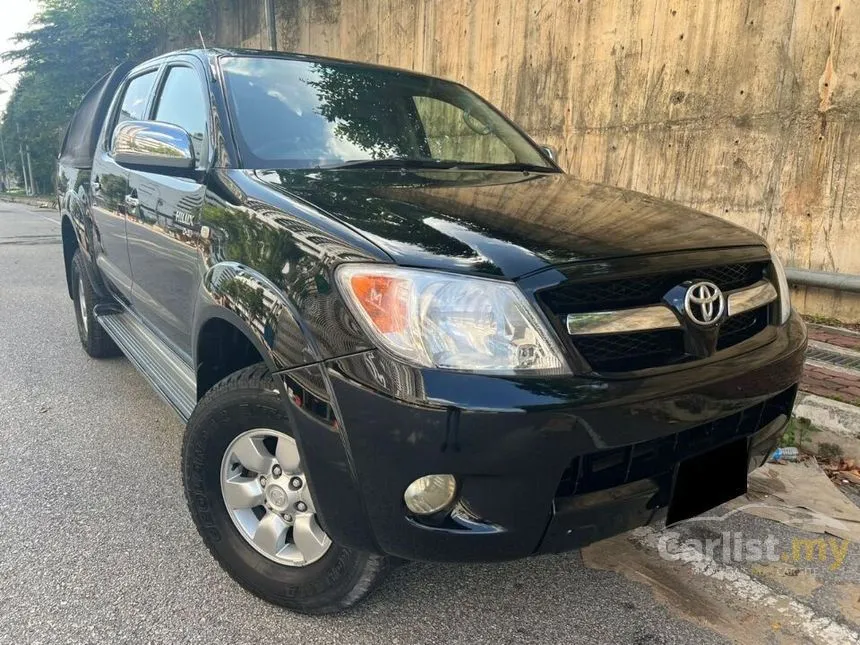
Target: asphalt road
(96, 544)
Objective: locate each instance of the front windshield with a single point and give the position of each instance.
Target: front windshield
(299, 114)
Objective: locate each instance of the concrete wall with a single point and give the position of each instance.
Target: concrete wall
(748, 109)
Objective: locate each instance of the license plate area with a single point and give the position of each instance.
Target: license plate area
(708, 480)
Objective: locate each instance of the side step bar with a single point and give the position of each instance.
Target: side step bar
(172, 378)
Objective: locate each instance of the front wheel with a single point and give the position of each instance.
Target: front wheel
(252, 503)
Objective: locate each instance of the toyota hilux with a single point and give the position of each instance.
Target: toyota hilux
(394, 328)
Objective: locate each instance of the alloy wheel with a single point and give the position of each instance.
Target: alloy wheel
(268, 498)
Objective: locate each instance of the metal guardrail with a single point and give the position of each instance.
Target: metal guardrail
(824, 279)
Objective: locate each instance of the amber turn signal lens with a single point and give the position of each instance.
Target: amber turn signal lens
(383, 299)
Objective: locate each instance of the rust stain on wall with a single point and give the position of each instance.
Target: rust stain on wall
(828, 80)
(746, 109)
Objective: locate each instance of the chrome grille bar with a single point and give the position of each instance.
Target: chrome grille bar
(758, 295)
(655, 317)
(622, 321)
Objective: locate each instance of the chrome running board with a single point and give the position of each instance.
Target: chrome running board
(167, 372)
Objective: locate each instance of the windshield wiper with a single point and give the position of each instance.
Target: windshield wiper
(446, 164)
(392, 162)
(515, 166)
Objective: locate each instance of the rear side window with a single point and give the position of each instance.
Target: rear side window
(133, 107)
(183, 103)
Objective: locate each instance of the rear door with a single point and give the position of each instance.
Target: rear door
(164, 234)
(110, 195)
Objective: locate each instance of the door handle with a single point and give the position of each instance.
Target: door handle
(131, 201)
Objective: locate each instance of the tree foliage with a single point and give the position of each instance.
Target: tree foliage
(69, 46)
(354, 100)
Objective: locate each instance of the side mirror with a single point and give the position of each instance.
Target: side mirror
(152, 145)
(550, 152)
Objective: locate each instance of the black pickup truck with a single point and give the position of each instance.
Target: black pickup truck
(397, 330)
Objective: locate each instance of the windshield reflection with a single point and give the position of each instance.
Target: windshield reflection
(296, 114)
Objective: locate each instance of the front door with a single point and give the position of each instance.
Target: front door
(164, 236)
(110, 196)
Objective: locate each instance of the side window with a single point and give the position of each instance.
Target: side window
(133, 104)
(134, 98)
(183, 103)
(453, 134)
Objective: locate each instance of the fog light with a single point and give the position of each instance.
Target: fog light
(430, 494)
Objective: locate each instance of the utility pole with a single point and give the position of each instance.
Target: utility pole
(30, 170)
(5, 165)
(23, 164)
(24, 169)
(270, 24)
(3, 151)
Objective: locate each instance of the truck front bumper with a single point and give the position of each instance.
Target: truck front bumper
(543, 465)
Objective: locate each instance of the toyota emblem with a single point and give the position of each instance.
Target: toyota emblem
(704, 303)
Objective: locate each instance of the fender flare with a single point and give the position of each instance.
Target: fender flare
(95, 278)
(251, 304)
(260, 310)
(210, 312)
(68, 253)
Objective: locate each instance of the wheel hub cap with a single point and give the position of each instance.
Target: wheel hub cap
(274, 514)
(276, 496)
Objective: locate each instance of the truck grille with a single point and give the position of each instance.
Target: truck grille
(629, 351)
(741, 327)
(646, 290)
(624, 352)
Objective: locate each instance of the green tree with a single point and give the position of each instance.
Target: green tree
(69, 46)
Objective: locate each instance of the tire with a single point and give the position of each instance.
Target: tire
(94, 338)
(240, 406)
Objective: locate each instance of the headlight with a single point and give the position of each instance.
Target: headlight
(436, 319)
(782, 288)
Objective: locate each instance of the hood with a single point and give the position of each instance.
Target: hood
(501, 223)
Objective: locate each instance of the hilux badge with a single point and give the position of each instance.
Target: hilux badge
(704, 303)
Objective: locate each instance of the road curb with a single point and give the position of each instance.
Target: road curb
(843, 331)
(43, 203)
(828, 414)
